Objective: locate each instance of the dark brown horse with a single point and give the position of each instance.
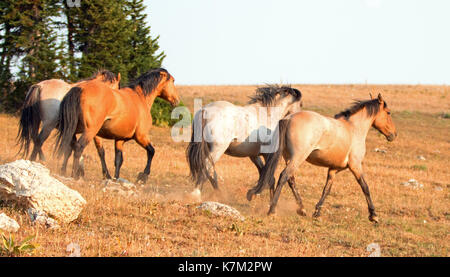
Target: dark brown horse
(93, 109)
(337, 143)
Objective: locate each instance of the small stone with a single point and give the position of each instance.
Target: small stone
(380, 150)
(375, 250)
(421, 158)
(41, 218)
(73, 249)
(221, 210)
(8, 224)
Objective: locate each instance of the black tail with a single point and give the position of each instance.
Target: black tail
(197, 153)
(269, 168)
(30, 119)
(69, 114)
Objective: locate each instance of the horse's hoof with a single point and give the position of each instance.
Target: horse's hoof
(301, 211)
(316, 214)
(373, 218)
(250, 195)
(142, 177)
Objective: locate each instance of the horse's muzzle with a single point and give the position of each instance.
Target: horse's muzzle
(392, 136)
(175, 103)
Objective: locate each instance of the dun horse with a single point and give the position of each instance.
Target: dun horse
(338, 144)
(94, 109)
(42, 103)
(222, 127)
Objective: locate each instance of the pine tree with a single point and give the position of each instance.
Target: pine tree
(29, 40)
(143, 55)
(101, 35)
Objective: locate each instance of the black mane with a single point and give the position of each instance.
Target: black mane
(107, 75)
(372, 108)
(149, 80)
(266, 95)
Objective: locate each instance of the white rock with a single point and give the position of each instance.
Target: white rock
(8, 224)
(29, 185)
(421, 158)
(120, 186)
(220, 210)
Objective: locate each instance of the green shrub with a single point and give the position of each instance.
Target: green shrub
(419, 167)
(161, 111)
(9, 247)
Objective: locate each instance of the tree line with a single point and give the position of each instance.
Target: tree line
(45, 39)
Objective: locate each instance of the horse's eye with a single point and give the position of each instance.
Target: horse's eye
(388, 112)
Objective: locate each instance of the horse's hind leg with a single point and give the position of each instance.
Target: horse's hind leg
(217, 151)
(301, 210)
(67, 156)
(101, 154)
(211, 174)
(118, 159)
(287, 175)
(326, 191)
(260, 165)
(39, 141)
(79, 146)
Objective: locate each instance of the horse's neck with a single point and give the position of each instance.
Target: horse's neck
(272, 114)
(361, 124)
(150, 98)
(265, 116)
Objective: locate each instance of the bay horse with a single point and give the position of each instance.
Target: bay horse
(42, 103)
(94, 109)
(337, 143)
(225, 128)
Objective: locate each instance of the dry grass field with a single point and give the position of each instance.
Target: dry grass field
(163, 221)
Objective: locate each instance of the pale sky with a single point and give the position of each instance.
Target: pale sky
(292, 41)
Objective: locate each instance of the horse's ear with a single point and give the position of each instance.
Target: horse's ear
(118, 77)
(380, 99)
(370, 94)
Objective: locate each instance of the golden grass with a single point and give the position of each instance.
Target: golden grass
(161, 220)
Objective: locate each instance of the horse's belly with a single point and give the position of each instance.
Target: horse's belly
(243, 149)
(322, 158)
(114, 130)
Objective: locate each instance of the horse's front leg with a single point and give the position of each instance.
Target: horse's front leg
(358, 173)
(144, 141)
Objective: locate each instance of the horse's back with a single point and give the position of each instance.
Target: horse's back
(51, 94)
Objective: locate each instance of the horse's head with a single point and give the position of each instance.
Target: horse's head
(383, 121)
(115, 83)
(108, 78)
(296, 103)
(168, 91)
